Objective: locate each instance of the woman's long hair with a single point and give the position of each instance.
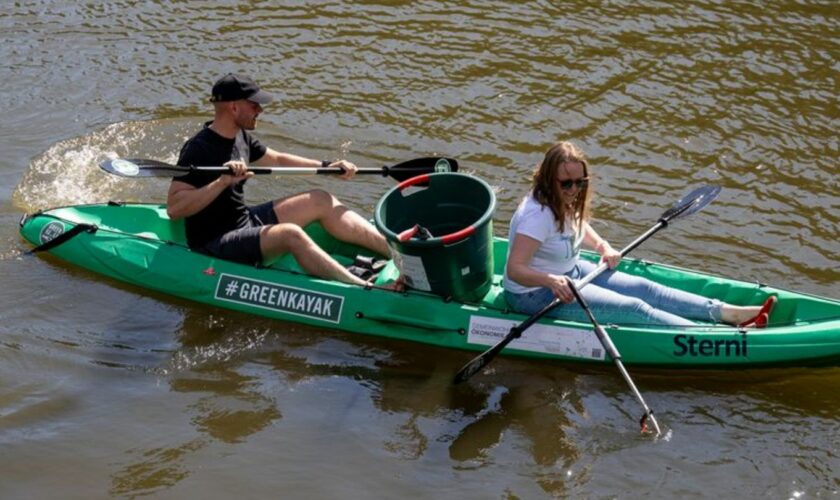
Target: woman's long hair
(547, 192)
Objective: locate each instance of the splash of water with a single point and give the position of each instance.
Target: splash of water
(229, 347)
(68, 172)
(344, 151)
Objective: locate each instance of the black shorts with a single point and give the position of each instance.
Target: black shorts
(243, 244)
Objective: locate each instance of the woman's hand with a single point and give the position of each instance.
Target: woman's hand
(559, 285)
(609, 255)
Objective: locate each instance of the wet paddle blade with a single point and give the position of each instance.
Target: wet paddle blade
(479, 362)
(142, 168)
(691, 203)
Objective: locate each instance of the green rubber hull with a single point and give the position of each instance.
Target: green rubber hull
(138, 244)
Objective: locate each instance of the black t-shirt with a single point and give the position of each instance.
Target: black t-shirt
(228, 211)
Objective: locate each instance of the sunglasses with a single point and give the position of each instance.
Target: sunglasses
(567, 184)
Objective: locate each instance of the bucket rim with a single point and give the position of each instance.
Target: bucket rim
(436, 241)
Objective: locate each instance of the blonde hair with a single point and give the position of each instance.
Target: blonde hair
(546, 191)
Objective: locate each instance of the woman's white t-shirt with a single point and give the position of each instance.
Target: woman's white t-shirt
(558, 252)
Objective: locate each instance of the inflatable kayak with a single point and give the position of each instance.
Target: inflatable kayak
(138, 244)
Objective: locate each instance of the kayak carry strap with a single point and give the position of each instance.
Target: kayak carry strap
(64, 237)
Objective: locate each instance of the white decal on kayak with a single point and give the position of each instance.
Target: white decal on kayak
(412, 270)
(571, 342)
(51, 231)
(282, 298)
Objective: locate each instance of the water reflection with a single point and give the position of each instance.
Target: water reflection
(413, 386)
(224, 403)
(222, 362)
(242, 375)
(214, 364)
(156, 469)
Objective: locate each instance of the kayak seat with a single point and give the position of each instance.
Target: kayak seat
(495, 299)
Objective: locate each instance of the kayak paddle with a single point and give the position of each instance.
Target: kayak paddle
(153, 168)
(685, 206)
(606, 341)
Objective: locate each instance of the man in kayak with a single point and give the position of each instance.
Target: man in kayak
(218, 222)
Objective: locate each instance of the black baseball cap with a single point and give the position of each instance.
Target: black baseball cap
(233, 87)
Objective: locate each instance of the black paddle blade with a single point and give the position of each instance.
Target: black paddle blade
(479, 362)
(418, 166)
(466, 372)
(142, 168)
(691, 203)
(473, 367)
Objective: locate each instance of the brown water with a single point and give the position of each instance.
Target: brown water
(108, 390)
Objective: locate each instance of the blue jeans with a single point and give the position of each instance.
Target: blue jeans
(620, 298)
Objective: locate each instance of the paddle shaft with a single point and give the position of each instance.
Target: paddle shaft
(384, 171)
(607, 342)
(483, 359)
(663, 222)
(139, 167)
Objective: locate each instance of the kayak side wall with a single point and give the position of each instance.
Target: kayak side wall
(173, 269)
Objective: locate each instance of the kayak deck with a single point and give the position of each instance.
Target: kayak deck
(138, 244)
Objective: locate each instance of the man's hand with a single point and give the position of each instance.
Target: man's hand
(349, 168)
(238, 172)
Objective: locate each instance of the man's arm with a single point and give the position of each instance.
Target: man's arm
(273, 158)
(183, 200)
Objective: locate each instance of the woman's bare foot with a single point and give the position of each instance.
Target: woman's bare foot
(748, 315)
(735, 315)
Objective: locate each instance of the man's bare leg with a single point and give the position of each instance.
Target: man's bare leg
(339, 221)
(279, 239)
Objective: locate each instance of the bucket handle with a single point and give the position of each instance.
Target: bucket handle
(412, 232)
(413, 181)
(458, 235)
(446, 239)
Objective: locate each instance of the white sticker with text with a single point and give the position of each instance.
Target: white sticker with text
(572, 342)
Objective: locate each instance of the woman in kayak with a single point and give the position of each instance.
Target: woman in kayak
(546, 233)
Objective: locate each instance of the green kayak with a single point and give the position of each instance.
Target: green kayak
(138, 244)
